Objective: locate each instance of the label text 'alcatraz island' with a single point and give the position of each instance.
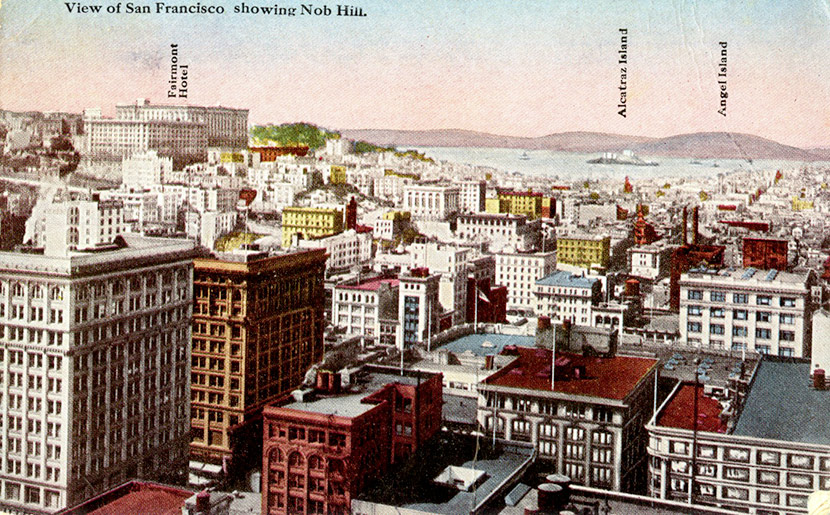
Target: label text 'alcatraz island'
(623, 62)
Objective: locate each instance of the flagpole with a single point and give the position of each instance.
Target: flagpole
(553, 360)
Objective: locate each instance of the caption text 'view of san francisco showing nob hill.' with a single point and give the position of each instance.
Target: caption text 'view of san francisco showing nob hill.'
(204, 315)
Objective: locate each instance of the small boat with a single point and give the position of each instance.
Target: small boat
(524, 156)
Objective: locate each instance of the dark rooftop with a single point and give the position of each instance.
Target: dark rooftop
(134, 497)
(609, 378)
(782, 405)
(679, 412)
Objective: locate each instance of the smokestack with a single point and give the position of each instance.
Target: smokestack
(685, 222)
(695, 220)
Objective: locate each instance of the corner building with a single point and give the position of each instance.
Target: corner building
(93, 357)
(257, 329)
(324, 448)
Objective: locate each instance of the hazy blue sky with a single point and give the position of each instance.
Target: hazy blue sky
(508, 67)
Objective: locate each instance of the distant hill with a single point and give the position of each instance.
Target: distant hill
(713, 145)
(566, 141)
(723, 145)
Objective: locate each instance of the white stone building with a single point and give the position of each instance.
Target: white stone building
(432, 201)
(769, 312)
(519, 272)
(95, 359)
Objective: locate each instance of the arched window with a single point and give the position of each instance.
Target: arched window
(315, 463)
(275, 455)
(295, 459)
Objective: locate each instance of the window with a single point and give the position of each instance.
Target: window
(763, 333)
(786, 319)
(763, 300)
(693, 327)
(718, 312)
(739, 314)
(603, 414)
(787, 302)
(768, 458)
(786, 352)
(718, 296)
(716, 329)
(695, 295)
(737, 454)
(740, 298)
(763, 316)
(739, 330)
(787, 336)
(678, 447)
(693, 310)
(800, 461)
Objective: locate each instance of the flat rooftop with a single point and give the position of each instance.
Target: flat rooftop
(747, 276)
(607, 378)
(782, 405)
(568, 280)
(134, 497)
(411, 486)
(679, 412)
(138, 249)
(371, 285)
(486, 344)
(350, 403)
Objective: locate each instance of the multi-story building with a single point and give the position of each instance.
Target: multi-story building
(225, 127)
(310, 222)
(526, 203)
(145, 170)
(451, 264)
(321, 449)
(257, 329)
(95, 349)
(564, 296)
(769, 312)
(519, 272)
(360, 306)
(649, 261)
(584, 250)
(587, 420)
(182, 133)
(432, 201)
(763, 456)
(391, 225)
(472, 195)
(345, 250)
(65, 226)
(501, 231)
(418, 307)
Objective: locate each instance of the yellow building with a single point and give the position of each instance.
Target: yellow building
(496, 206)
(337, 174)
(801, 205)
(257, 328)
(310, 222)
(584, 251)
(526, 203)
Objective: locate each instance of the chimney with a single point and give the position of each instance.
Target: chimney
(685, 222)
(695, 220)
(203, 502)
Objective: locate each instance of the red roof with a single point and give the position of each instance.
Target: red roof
(679, 412)
(135, 497)
(608, 378)
(371, 285)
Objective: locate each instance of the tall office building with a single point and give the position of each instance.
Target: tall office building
(93, 355)
(257, 329)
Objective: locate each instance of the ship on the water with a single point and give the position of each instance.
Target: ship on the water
(626, 158)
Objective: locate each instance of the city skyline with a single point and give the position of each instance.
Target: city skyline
(516, 70)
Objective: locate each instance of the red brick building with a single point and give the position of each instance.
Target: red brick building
(321, 448)
(765, 253)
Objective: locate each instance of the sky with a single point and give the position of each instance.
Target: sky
(511, 67)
